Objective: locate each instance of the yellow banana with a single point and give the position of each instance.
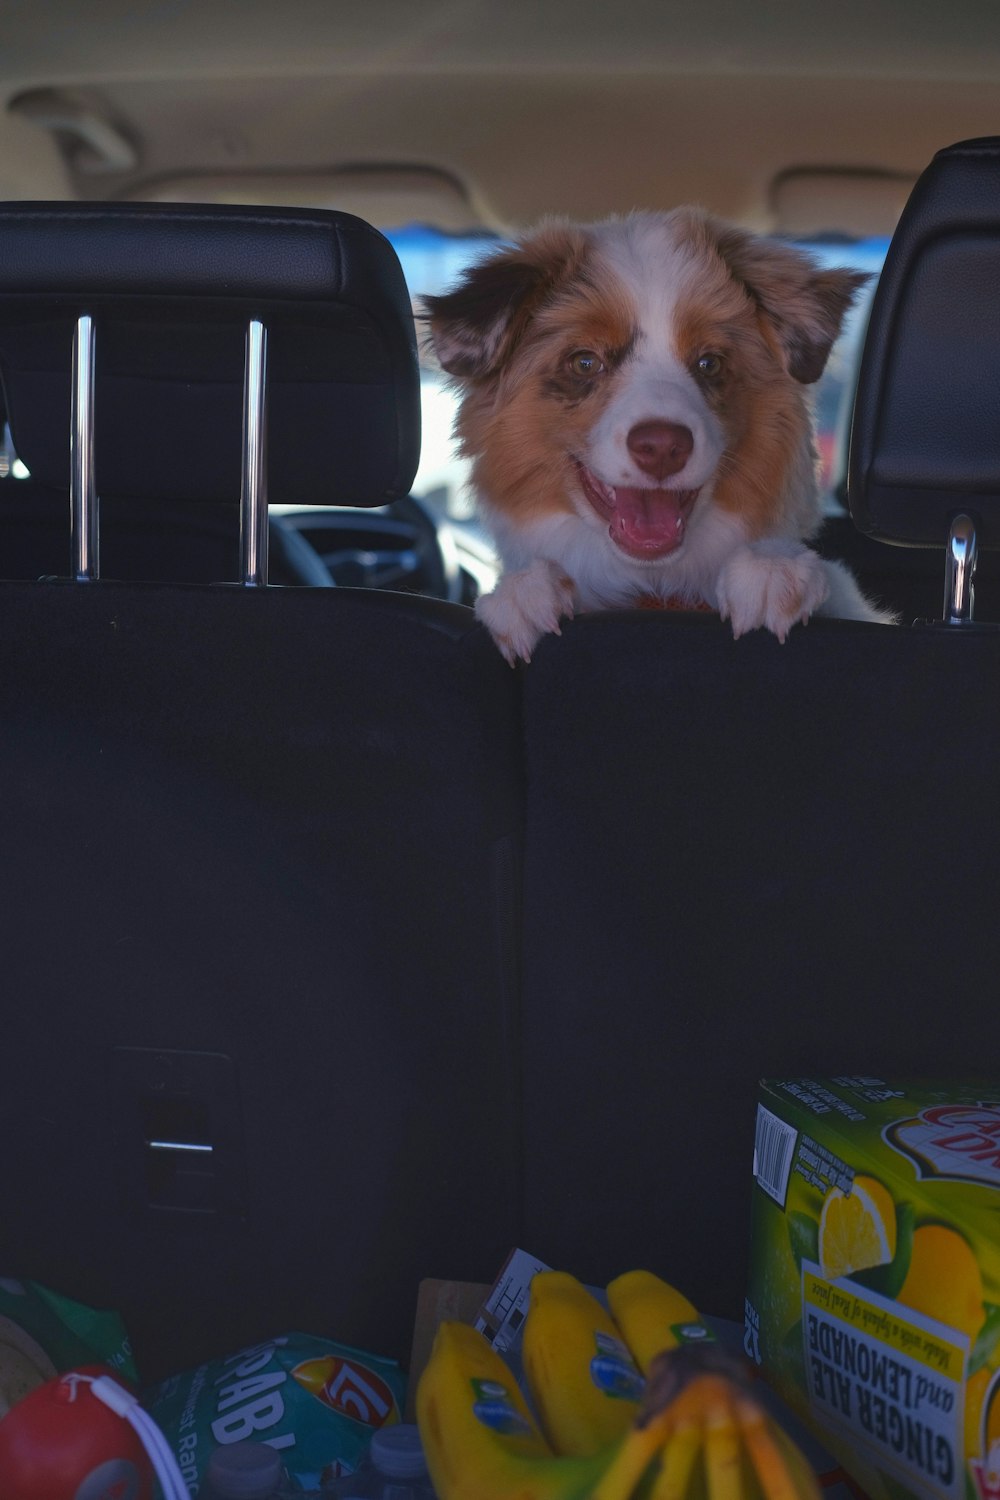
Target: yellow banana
(723, 1456)
(782, 1470)
(652, 1315)
(719, 1443)
(583, 1381)
(681, 1455)
(481, 1441)
(698, 1436)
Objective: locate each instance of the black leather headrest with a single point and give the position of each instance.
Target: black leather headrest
(171, 288)
(925, 440)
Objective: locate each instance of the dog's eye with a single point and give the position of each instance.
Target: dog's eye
(709, 366)
(585, 362)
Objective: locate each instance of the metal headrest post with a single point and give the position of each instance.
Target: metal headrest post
(960, 572)
(83, 501)
(253, 489)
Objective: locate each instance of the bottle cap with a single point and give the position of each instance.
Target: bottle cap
(396, 1452)
(244, 1471)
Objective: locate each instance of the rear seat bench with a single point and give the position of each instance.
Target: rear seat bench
(442, 957)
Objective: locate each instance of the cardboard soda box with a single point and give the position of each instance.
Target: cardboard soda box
(874, 1295)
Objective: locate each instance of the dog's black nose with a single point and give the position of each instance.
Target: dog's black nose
(660, 448)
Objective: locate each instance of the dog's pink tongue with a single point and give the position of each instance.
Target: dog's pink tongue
(648, 520)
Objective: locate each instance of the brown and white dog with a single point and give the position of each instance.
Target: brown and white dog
(633, 399)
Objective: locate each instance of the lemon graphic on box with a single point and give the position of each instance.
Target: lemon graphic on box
(944, 1281)
(857, 1230)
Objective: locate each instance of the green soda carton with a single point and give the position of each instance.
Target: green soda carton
(874, 1297)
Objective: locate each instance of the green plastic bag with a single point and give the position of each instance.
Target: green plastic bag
(315, 1401)
(43, 1333)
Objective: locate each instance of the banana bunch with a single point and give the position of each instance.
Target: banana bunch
(638, 1402)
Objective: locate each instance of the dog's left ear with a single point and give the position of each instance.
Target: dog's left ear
(804, 303)
(476, 327)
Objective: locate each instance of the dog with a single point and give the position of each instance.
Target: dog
(634, 401)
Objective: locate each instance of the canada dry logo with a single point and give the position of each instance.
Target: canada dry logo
(987, 1474)
(959, 1141)
(986, 1470)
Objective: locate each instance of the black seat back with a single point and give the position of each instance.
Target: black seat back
(748, 859)
(742, 859)
(260, 848)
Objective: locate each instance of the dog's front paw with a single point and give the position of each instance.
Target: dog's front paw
(772, 590)
(525, 606)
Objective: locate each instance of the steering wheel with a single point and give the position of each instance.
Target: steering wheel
(401, 546)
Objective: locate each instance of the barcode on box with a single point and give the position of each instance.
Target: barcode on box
(773, 1147)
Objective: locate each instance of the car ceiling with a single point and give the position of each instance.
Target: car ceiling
(787, 114)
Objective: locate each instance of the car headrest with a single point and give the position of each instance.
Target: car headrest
(925, 442)
(171, 289)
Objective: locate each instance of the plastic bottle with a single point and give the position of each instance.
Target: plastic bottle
(245, 1471)
(395, 1469)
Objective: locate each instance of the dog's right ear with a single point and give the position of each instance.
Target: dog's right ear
(475, 328)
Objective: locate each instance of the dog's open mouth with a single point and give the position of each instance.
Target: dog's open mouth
(644, 523)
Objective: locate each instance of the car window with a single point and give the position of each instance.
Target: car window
(835, 388)
(432, 262)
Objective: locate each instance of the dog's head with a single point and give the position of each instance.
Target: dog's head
(629, 369)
